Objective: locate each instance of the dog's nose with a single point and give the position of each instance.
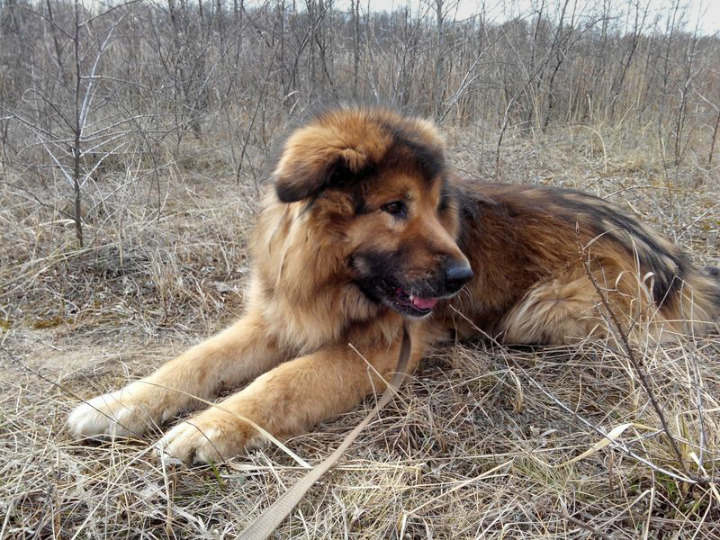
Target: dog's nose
(457, 275)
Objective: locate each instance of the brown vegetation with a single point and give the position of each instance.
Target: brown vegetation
(133, 142)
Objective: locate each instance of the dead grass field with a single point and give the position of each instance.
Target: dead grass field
(485, 441)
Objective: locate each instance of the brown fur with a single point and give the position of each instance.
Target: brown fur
(366, 228)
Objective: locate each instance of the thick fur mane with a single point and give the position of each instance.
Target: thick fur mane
(315, 295)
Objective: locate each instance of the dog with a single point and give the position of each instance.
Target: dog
(366, 229)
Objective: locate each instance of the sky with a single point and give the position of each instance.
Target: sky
(705, 14)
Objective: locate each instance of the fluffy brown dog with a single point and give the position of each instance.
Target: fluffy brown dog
(366, 227)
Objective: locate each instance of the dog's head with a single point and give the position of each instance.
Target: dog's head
(378, 180)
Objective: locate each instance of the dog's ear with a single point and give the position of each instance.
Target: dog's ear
(324, 154)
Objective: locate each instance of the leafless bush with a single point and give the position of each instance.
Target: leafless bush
(134, 139)
(89, 90)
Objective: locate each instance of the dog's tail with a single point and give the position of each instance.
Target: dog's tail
(712, 289)
(712, 272)
(698, 300)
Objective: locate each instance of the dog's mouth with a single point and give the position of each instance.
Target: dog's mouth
(412, 304)
(416, 301)
(414, 297)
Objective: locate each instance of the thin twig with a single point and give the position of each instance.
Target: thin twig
(625, 343)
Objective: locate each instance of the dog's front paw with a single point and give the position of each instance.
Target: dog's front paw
(124, 413)
(209, 437)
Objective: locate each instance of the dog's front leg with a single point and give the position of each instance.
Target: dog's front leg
(285, 401)
(241, 352)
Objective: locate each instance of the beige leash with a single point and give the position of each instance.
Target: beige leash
(266, 523)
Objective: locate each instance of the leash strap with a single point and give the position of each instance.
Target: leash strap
(266, 523)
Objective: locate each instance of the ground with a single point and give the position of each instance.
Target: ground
(484, 441)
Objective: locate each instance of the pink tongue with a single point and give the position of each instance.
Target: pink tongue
(424, 303)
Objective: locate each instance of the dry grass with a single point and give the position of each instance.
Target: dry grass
(481, 444)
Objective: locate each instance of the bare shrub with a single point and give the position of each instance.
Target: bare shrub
(135, 139)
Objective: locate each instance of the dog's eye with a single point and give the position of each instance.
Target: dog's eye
(395, 208)
(444, 203)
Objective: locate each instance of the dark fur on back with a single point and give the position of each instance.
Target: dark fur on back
(576, 209)
(525, 237)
